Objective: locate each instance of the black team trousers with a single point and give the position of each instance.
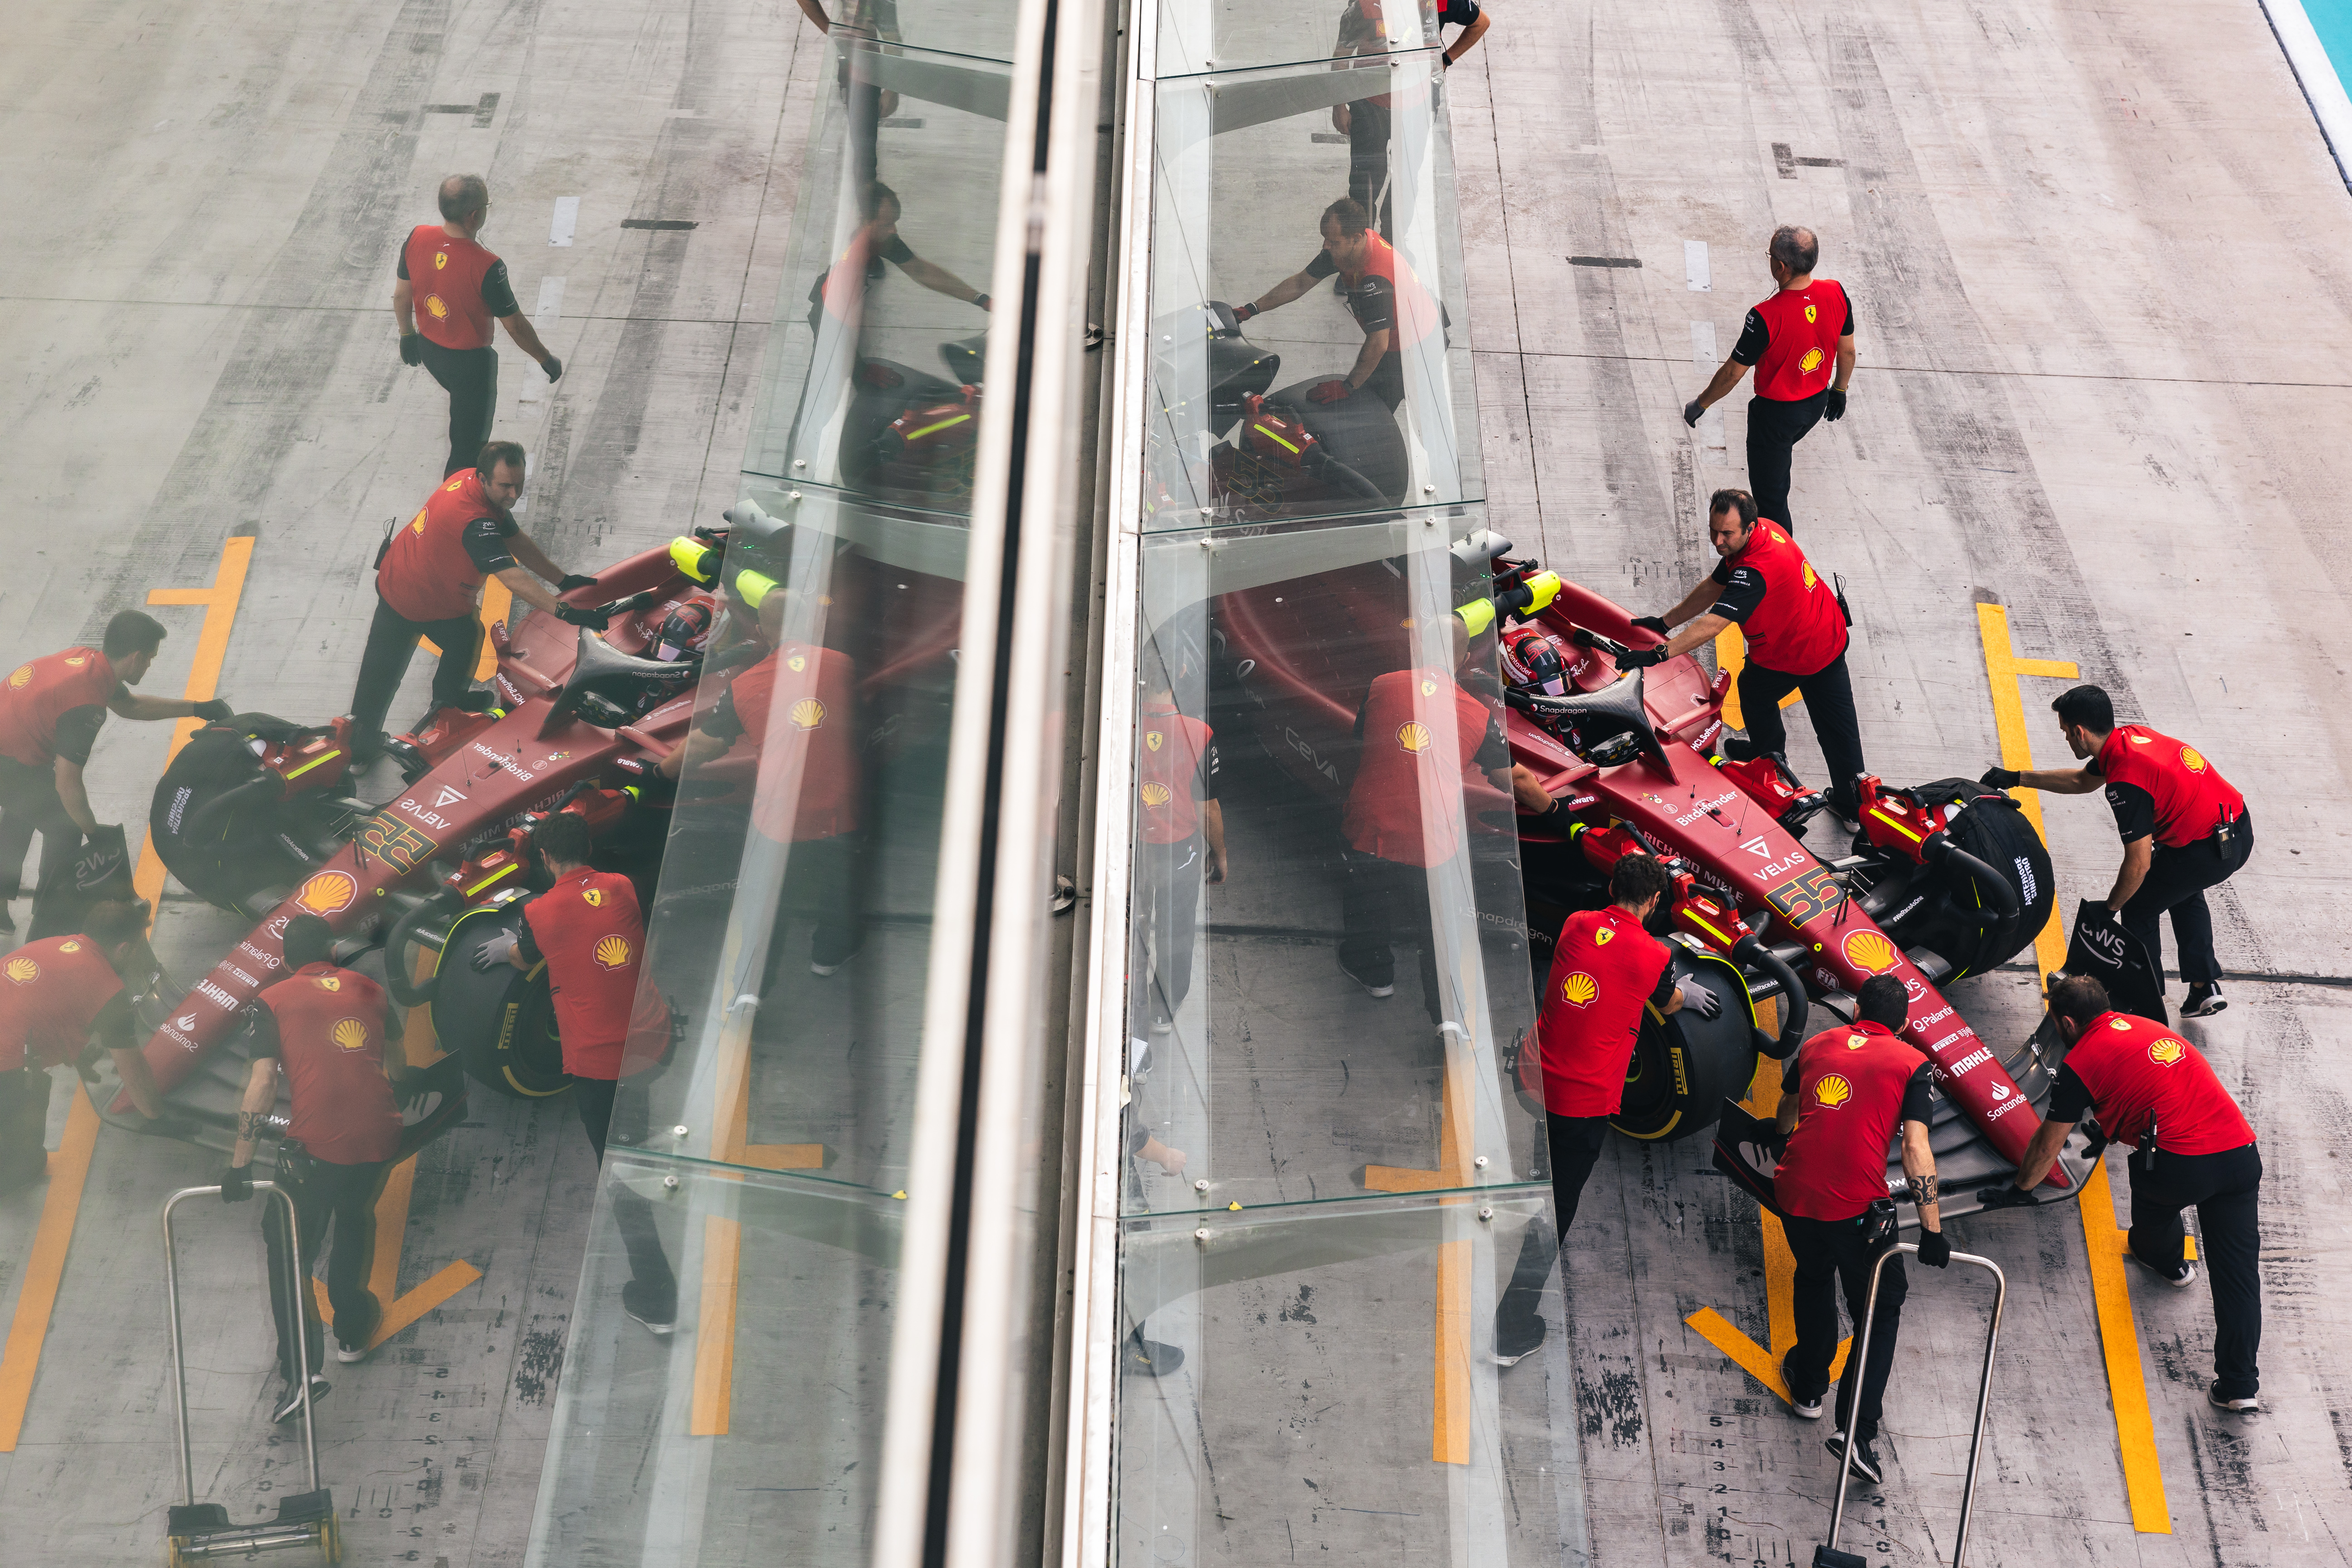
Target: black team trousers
(653, 1288)
(1575, 1144)
(2225, 1188)
(392, 637)
(470, 377)
(2175, 882)
(1774, 428)
(1830, 1254)
(1829, 703)
(326, 1197)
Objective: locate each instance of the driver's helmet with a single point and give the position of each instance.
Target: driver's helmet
(686, 630)
(1530, 662)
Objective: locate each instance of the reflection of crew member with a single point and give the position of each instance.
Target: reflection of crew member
(448, 290)
(1387, 300)
(2155, 1092)
(1391, 844)
(1606, 972)
(1795, 630)
(867, 104)
(428, 583)
(797, 710)
(1180, 830)
(1800, 342)
(335, 1034)
(587, 929)
(1842, 1096)
(56, 996)
(50, 711)
(841, 292)
(1363, 30)
(2184, 829)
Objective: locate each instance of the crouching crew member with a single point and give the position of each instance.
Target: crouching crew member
(428, 583)
(1842, 1096)
(2184, 829)
(588, 931)
(1606, 971)
(1795, 630)
(333, 1033)
(57, 996)
(2156, 1093)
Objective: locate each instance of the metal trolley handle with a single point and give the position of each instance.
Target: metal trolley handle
(1984, 1397)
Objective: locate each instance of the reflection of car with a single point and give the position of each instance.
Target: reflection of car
(1944, 880)
(909, 436)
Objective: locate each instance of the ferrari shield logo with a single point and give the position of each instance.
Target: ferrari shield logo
(797, 663)
(328, 983)
(441, 259)
(1603, 937)
(69, 947)
(1151, 739)
(594, 897)
(76, 660)
(1811, 315)
(1429, 689)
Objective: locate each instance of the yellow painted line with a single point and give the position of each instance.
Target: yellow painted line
(497, 600)
(37, 1297)
(220, 602)
(785, 1156)
(711, 1411)
(383, 1270)
(2002, 669)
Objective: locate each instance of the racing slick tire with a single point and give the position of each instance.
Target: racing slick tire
(1358, 431)
(1684, 1067)
(499, 1022)
(1953, 913)
(219, 825)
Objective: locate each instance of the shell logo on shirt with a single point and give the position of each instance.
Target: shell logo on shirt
(593, 897)
(329, 892)
(1414, 736)
(350, 1034)
(1579, 989)
(2166, 1052)
(24, 971)
(1867, 950)
(23, 676)
(2191, 759)
(435, 309)
(1832, 1091)
(612, 952)
(1155, 795)
(808, 713)
(1153, 739)
(1812, 360)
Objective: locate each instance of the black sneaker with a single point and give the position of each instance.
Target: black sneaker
(2203, 1002)
(1808, 1409)
(474, 702)
(1865, 1459)
(1383, 991)
(2246, 1407)
(290, 1405)
(1514, 1343)
(1150, 1358)
(659, 1317)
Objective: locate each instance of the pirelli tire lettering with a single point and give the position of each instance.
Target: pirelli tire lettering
(499, 1022)
(1683, 1066)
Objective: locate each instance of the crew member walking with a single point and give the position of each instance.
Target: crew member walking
(1842, 1096)
(1792, 338)
(1795, 627)
(57, 996)
(1606, 972)
(428, 583)
(335, 1035)
(448, 290)
(1387, 300)
(2184, 829)
(50, 712)
(587, 928)
(1363, 30)
(2155, 1093)
(1181, 832)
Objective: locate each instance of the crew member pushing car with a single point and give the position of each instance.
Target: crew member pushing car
(1841, 1096)
(1387, 300)
(50, 712)
(1800, 342)
(1606, 972)
(56, 996)
(587, 931)
(333, 1033)
(1795, 630)
(428, 583)
(2155, 1093)
(2184, 829)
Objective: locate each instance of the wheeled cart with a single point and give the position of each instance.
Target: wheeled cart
(1827, 1555)
(202, 1529)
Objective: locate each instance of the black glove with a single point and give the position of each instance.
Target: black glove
(1934, 1251)
(214, 710)
(412, 348)
(1698, 999)
(1692, 410)
(235, 1184)
(1244, 313)
(1834, 411)
(574, 580)
(595, 620)
(2008, 1196)
(553, 367)
(1642, 657)
(1998, 778)
(1654, 624)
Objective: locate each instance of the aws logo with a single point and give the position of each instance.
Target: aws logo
(24, 971)
(1153, 739)
(2166, 1051)
(435, 309)
(22, 676)
(1832, 1092)
(1812, 360)
(1869, 952)
(593, 897)
(328, 893)
(1414, 736)
(612, 952)
(2192, 760)
(1155, 795)
(1579, 989)
(808, 713)
(350, 1034)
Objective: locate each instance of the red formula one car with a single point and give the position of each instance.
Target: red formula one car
(1943, 880)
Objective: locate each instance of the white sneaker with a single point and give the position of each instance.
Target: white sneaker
(350, 1353)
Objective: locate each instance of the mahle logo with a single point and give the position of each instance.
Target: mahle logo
(1579, 989)
(350, 1034)
(1832, 1091)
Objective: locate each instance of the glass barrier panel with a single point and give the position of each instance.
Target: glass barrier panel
(1198, 36)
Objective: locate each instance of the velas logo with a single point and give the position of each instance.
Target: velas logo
(1812, 360)
(2192, 760)
(328, 893)
(350, 1034)
(1869, 952)
(808, 713)
(1155, 795)
(328, 983)
(1414, 736)
(1151, 739)
(1832, 1091)
(435, 309)
(1811, 315)
(22, 675)
(24, 971)
(797, 663)
(1579, 989)
(2165, 1051)
(593, 897)
(613, 953)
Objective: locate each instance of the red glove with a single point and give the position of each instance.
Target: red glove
(1329, 391)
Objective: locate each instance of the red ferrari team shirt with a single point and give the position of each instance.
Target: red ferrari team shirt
(433, 568)
(1399, 770)
(1786, 610)
(1854, 1084)
(1792, 338)
(53, 707)
(588, 930)
(452, 279)
(795, 706)
(327, 1026)
(1385, 295)
(1604, 970)
(2154, 783)
(2132, 1069)
(1174, 773)
(51, 994)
